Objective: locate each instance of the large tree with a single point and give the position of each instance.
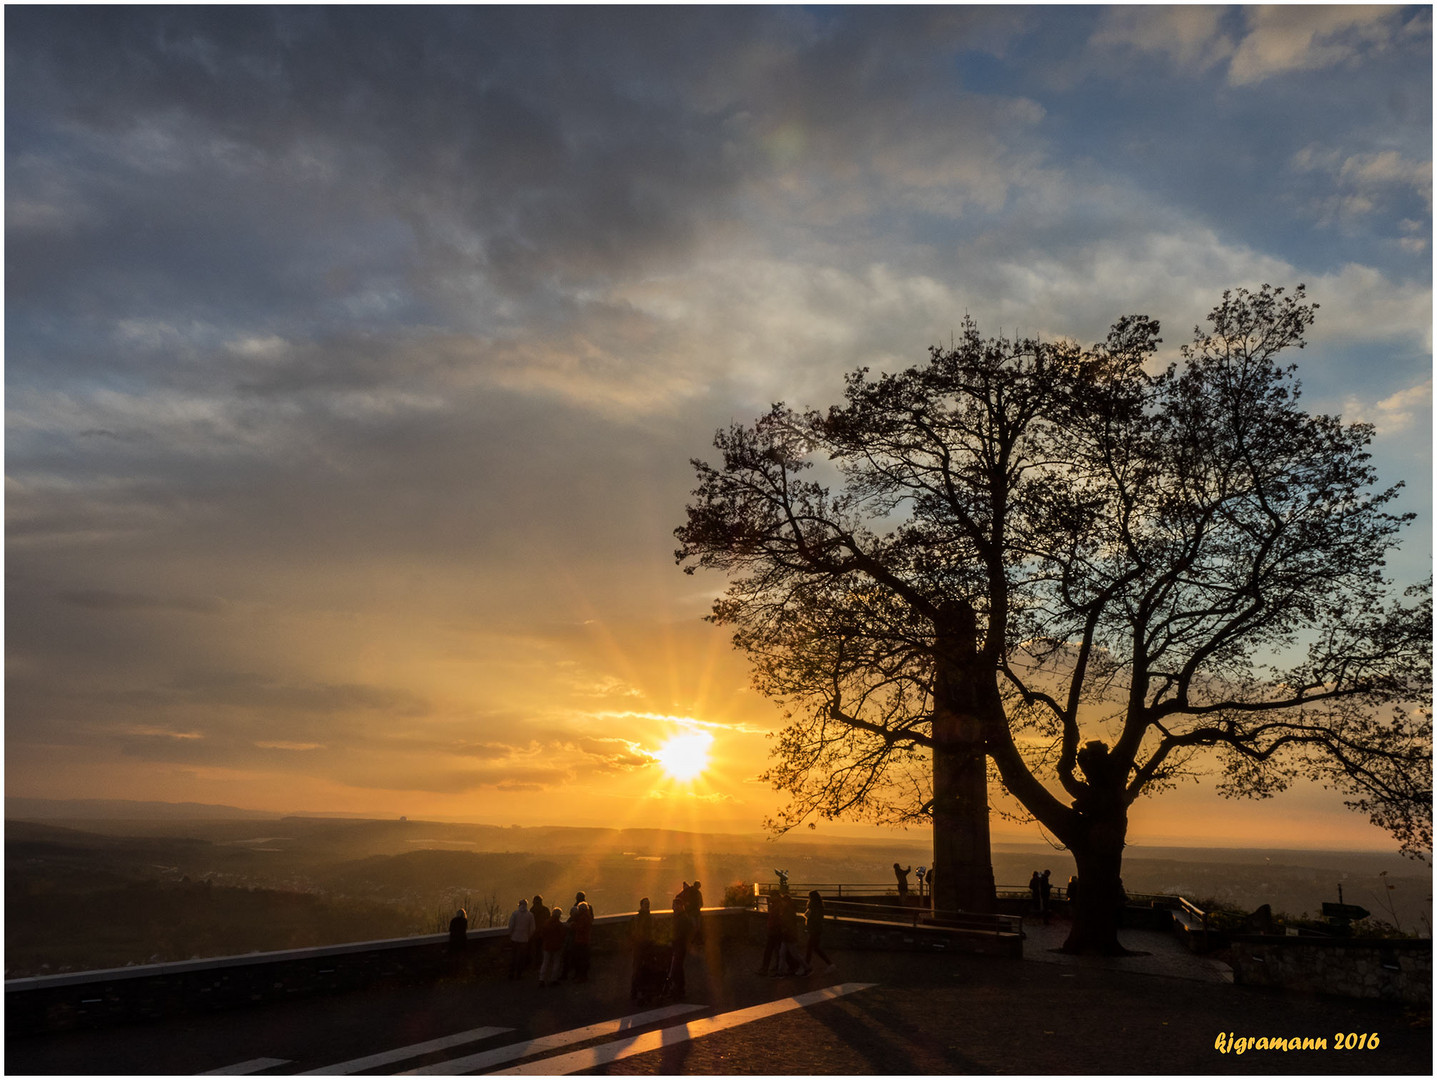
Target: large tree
(1095, 578)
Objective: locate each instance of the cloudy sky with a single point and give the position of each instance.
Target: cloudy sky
(354, 356)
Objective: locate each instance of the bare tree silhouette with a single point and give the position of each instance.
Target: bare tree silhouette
(1098, 579)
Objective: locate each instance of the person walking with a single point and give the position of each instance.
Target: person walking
(1035, 892)
(813, 923)
(789, 962)
(553, 939)
(774, 928)
(678, 954)
(521, 929)
(1045, 894)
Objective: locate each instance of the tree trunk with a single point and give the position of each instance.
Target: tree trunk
(1099, 855)
(962, 853)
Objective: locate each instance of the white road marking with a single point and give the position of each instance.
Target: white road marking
(544, 1043)
(388, 1057)
(244, 1068)
(670, 1036)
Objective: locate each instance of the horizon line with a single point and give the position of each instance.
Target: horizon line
(1005, 839)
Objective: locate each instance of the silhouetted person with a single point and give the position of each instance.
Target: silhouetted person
(553, 938)
(774, 928)
(458, 931)
(683, 931)
(541, 916)
(581, 921)
(1045, 893)
(1035, 891)
(813, 923)
(641, 930)
(789, 962)
(902, 875)
(693, 898)
(1072, 890)
(641, 943)
(521, 929)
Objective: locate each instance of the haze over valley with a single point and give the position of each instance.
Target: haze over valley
(151, 882)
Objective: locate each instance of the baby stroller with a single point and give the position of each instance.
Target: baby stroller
(651, 970)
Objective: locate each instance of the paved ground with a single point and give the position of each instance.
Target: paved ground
(1160, 953)
(927, 1013)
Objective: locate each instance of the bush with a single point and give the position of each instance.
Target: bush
(739, 894)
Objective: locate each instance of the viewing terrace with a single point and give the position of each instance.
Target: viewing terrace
(904, 998)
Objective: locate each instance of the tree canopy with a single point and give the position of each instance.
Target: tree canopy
(1106, 574)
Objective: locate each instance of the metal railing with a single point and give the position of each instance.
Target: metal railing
(916, 916)
(835, 889)
(1022, 892)
(845, 900)
(847, 889)
(1200, 914)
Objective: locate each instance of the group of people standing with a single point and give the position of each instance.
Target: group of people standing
(781, 943)
(560, 946)
(658, 969)
(1040, 889)
(540, 935)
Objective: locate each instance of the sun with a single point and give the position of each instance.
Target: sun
(684, 757)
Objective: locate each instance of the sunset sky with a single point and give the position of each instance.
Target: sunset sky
(354, 357)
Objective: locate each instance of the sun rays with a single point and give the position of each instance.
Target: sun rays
(685, 757)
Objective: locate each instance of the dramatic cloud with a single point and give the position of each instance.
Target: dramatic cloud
(1192, 36)
(1395, 414)
(355, 356)
(1262, 41)
(1284, 38)
(1363, 184)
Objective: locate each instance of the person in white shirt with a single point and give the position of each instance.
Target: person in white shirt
(521, 929)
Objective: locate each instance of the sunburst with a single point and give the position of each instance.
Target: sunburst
(685, 757)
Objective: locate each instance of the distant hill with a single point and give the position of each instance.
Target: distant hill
(17, 808)
(427, 874)
(173, 880)
(355, 835)
(34, 831)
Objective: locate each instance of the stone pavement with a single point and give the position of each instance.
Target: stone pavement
(926, 1012)
(941, 1014)
(1164, 954)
